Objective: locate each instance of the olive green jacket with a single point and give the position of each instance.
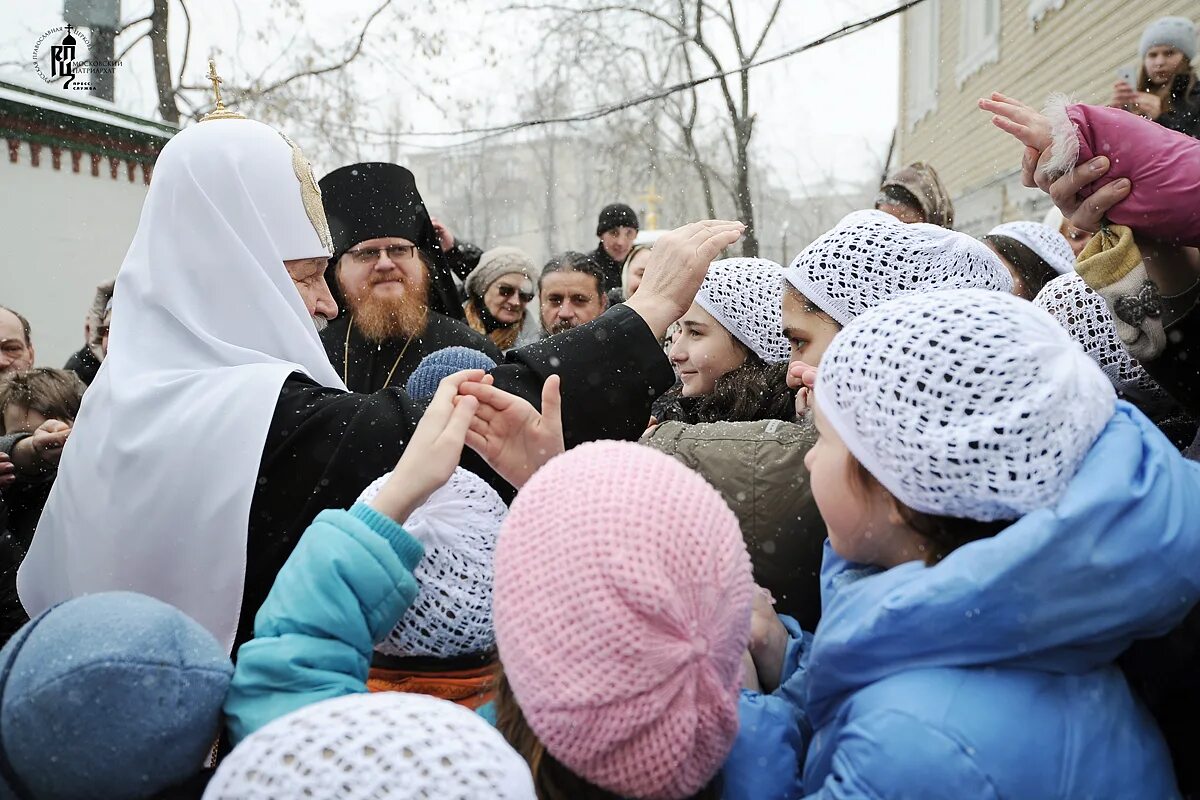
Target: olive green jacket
(758, 467)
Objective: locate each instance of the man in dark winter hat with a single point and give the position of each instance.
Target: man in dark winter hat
(617, 228)
(390, 277)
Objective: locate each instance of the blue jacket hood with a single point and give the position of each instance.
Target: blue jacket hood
(1064, 589)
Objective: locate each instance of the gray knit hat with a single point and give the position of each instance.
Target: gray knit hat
(500, 261)
(1177, 32)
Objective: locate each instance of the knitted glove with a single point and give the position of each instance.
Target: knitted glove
(1112, 265)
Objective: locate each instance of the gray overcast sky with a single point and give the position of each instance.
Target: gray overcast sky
(828, 113)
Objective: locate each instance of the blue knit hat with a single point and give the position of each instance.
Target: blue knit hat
(441, 364)
(112, 695)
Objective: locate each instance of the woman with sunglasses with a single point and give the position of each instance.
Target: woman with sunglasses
(498, 293)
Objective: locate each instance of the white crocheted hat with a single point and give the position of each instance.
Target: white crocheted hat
(870, 257)
(964, 403)
(371, 747)
(745, 295)
(1086, 318)
(1049, 245)
(452, 614)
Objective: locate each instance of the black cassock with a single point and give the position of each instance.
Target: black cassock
(370, 363)
(324, 446)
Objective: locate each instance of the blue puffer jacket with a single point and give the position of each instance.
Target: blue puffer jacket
(990, 674)
(343, 588)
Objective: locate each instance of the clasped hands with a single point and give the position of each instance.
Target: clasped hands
(512, 436)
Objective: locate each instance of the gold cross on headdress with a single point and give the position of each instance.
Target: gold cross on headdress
(219, 111)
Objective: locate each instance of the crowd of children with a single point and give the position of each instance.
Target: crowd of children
(916, 521)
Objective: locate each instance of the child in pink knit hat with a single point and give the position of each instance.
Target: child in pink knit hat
(622, 633)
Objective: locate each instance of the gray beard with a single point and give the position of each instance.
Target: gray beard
(320, 323)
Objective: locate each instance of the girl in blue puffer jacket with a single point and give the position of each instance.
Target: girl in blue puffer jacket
(1000, 529)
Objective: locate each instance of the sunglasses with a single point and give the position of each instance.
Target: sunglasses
(508, 291)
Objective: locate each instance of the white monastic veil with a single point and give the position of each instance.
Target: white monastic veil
(154, 488)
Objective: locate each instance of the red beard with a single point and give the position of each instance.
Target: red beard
(379, 318)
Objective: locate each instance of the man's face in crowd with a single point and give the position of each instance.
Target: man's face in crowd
(618, 242)
(386, 285)
(16, 353)
(309, 276)
(569, 299)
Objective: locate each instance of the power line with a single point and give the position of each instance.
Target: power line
(604, 111)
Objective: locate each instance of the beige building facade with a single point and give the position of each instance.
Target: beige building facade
(956, 51)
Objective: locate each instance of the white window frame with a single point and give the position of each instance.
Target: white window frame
(1039, 8)
(922, 59)
(977, 47)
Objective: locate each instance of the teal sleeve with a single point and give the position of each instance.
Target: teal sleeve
(344, 587)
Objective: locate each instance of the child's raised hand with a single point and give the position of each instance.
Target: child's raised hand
(510, 434)
(1030, 127)
(433, 451)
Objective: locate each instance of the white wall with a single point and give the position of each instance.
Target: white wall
(62, 233)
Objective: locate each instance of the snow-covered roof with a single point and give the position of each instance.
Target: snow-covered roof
(18, 90)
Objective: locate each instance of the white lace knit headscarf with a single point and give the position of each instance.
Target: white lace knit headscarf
(870, 257)
(964, 403)
(745, 295)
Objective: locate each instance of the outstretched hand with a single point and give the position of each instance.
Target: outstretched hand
(1033, 130)
(433, 451)
(676, 268)
(1031, 127)
(41, 451)
(510, 434)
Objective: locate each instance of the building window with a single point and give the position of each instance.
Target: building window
(923, 56)
(1039, 8)
(979, 37)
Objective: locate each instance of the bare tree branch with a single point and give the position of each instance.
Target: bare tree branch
(328, 67)
(596, 10)
(737, 35)
(187, 40)
(131, 23)
(766, 29)
(131, 45)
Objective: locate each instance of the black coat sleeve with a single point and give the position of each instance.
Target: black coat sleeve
(463, 258)
(612, 369)
(324, 446)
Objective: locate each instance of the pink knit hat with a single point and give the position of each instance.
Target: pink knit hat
(622, 608)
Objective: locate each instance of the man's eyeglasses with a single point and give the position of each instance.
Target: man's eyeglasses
(508, 291)
(395, 252)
